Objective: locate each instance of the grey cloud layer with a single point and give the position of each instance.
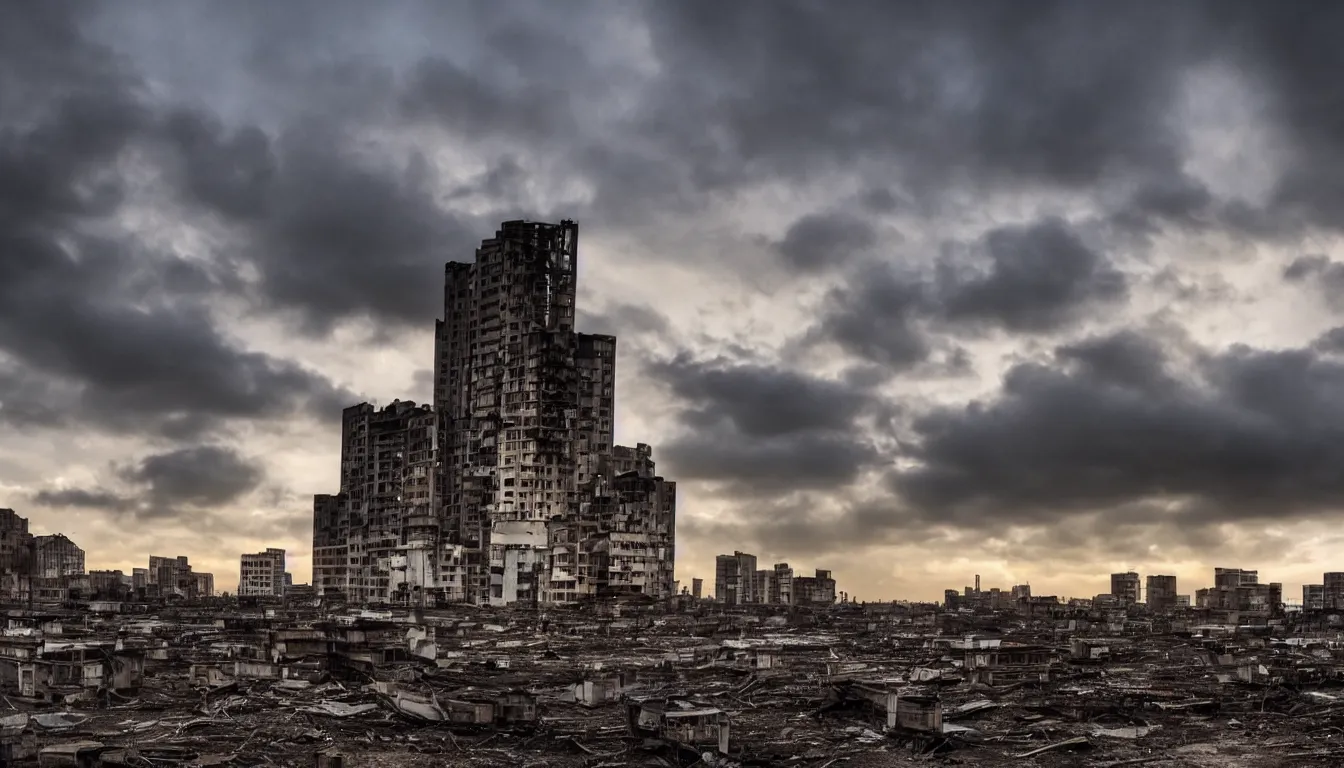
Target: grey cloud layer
(168, 484)
(116, 328)
(1248, 434)
(321, 184)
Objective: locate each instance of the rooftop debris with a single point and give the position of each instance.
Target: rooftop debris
(678, 684)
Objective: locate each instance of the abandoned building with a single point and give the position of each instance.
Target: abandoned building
(737, 581)
(57, 556)
(262, 574)
(172, 577)
(508, 489)
(37, 567)
(683, 723)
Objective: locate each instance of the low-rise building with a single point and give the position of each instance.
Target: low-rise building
(817, 590)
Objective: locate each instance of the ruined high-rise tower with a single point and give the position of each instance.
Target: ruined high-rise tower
(509, 489)
(526, 407)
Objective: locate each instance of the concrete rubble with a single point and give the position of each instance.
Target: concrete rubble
(645, 683)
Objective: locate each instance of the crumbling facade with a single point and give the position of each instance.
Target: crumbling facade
(1236, 589)
(170, 577)
(1332, 594)
(1161, 593)
(1313, 597)
(32, 566)
(262, 574)
(818, 589)
(58, 556)
(1125, 587)
(377, 541)
(509, 488)
(735, 579)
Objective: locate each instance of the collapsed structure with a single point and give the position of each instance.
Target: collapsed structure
(684, 681)
(508, 489)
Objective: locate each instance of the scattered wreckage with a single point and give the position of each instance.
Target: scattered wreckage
(601, 686)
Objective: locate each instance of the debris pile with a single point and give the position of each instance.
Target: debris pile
(843, 686)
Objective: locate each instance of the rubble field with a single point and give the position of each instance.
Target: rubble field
(639, 684)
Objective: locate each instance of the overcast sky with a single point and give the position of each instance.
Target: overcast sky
(908, 290)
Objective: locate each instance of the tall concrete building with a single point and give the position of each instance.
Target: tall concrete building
(384, 516)
(1161, 593)
(781, 587)
(1313, 597)
(735, 578)
(1125, 587)
(1333, 595)
(509, 489)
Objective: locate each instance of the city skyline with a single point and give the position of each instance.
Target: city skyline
(974, 298)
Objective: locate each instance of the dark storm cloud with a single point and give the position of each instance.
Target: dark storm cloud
(100, 320)
(1126, 358)
(994, 91)
(166, 484)
(1330, 342)
(820, 240)
(1319, 274)
(83, 499)
(1038, 278)
(1177, 200)
(1289, 53)
(1255, 434)
(201, 476)
(759, 401)
(29, 401)
(768, 466)
(875, 315)
(1304, 267)
(117, 328)
(473, 104)
(333, 235)
(770, 430)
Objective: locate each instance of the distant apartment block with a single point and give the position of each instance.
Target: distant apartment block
(1161, 593)
(262, 574)
(170, 577)
(1237, 589)
(205, 584)
(818, 589)
(737, 581)
(1313, 597)
(734, 578)
(1125, 587)
(1333, 595)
